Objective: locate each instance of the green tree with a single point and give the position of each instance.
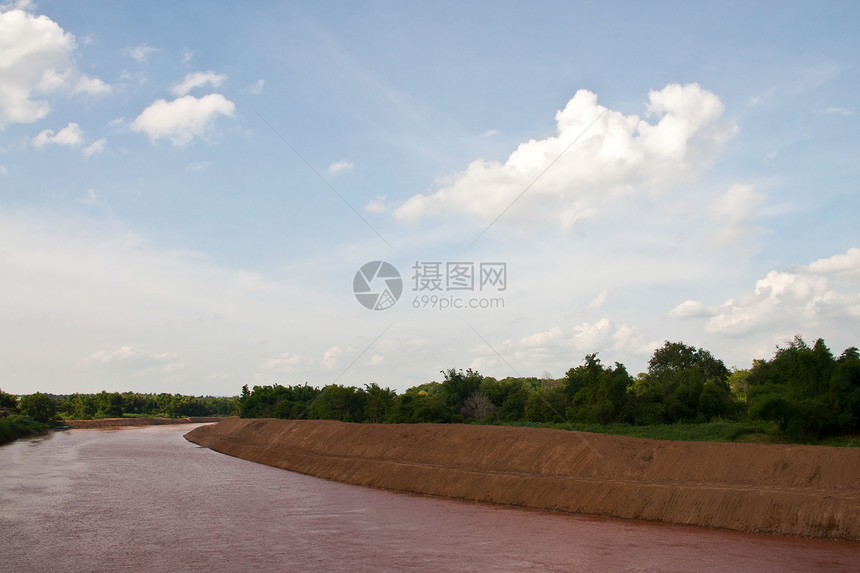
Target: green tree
(8, 402)
(344, 403)
(379, 403)
(808, 392)
(598, 394)
(459, 385)
(38, 406)
(420, 407)
(677, 376)
(108, 405)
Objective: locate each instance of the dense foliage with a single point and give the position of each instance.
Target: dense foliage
(48, 407)
(807, 392)
(13, 424)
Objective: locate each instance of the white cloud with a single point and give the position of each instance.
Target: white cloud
(141, 53)
(491, 132)
(95, 147)
(837, 111)
(734, 209)
(618, 154)
(91, 198)
(600, 299)
(791, 299)
(255, 88)
(69, 136)
(331, 357)
(182, 119)
(583, 338)
(37, 61)
(196, 80)
(377, 205)
(285, 362)
(129, 357)
(3, 170)
(198, 166)
(92, 86)
(847, 264)
(690, 309)
(340, 166)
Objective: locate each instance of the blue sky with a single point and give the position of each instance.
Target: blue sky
(188, 189)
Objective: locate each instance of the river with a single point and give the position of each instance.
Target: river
(145, 499)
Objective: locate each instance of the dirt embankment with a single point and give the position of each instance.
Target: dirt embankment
(784, 489)
(114, 422)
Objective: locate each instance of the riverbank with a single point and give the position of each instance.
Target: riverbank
(118, 422)
(15, 426)
(808, 491)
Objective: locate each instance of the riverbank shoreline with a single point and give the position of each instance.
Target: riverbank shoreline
(808, 491)
(122, 422)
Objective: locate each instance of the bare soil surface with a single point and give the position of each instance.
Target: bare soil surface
(114, 422)
(810, 491)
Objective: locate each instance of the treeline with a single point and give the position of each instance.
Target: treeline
(808, 392)
(48, 407)
(14, 424)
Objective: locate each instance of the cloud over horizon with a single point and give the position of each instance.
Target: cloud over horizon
(617, 155)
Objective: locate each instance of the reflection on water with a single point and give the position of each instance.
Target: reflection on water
(144, 499)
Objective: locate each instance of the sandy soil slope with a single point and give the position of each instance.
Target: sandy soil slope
(783, 489)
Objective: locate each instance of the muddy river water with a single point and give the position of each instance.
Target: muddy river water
(145, 499)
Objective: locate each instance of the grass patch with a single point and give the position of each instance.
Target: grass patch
(16, 426)
(719, 431)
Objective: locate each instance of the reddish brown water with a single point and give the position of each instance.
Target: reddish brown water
(144, 499)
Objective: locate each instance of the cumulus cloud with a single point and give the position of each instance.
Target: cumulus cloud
(132, 358)
(255, 88)
(615, 154)
(582, 338)
(377, 205)
(182, 119)
(340, 166)
(95, 147)
(285, 362)
(847, 264)
(141, 53)
(331, 357)
(37, 62)
(789, 299)
(196, 80)
(600, 299)
(69, 136)
(690, 309)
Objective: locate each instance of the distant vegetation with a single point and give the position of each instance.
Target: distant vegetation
(24, 415)
(48, 408)
(802, 393)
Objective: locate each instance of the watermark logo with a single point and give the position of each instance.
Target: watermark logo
(377, 285)
(437, 285)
